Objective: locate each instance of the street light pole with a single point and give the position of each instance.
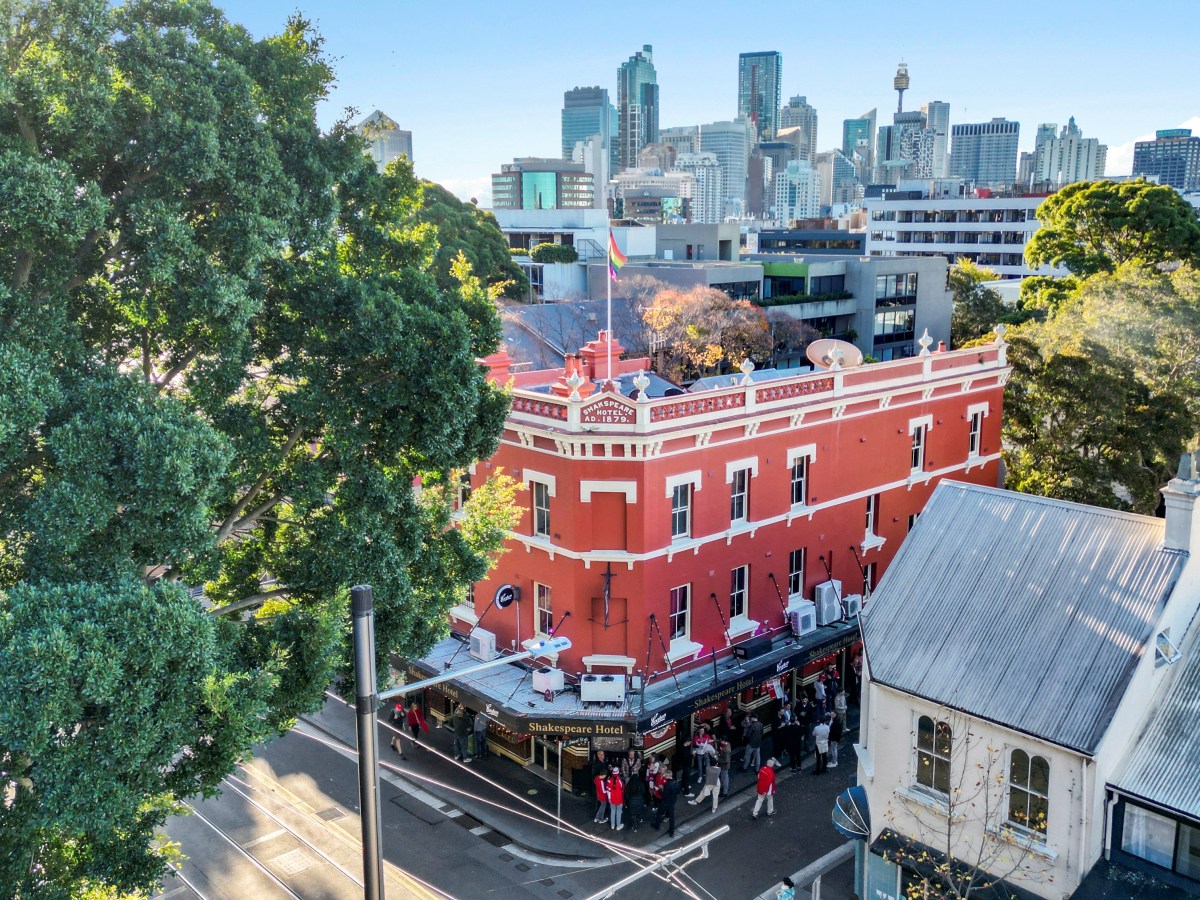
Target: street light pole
(366, 703)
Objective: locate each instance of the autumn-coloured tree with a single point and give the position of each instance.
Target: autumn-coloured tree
(704, 331)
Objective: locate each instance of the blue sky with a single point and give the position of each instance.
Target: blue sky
(481, 82)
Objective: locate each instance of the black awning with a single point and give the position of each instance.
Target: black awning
(926, 862)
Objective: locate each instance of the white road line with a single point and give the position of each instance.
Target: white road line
(266, 837)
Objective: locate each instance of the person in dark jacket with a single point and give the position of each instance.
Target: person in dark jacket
(754, 736)
(666, 806)
(806, 718)
(835, 737)
(635, 798)
(462, 727)
(726, 730)
(791, 739)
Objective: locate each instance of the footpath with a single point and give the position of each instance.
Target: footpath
(519, 806)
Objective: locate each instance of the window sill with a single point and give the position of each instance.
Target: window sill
(933, 802)
(682, 647)
(740, 625)
(1023, 838)
(465, 614)
(542, 543)
(872, 542)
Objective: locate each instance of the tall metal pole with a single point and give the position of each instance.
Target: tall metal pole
(558, 815)
(366, 701)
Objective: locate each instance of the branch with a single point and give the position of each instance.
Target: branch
(226, 528)
(249, 602)
(253, 516)
(186, 360)
(22, 270)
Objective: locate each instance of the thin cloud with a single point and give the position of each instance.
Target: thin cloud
(1120, 158)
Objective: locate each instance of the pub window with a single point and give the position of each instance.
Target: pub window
(934, 740)
(737, 591)
(541, 509)
(796, 572)
(680, 612)
(543, 610)
(1028, 791)
(800, 481)
(681, 511)
(739, 491)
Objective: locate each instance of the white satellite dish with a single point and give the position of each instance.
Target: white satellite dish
(829, 353)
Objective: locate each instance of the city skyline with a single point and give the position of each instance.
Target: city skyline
(516, 99)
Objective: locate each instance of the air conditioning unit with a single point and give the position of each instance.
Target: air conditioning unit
(483, 645)
(802, 616)
(829, 611)
(602, 688)
(827, 589)
(854, 604)
(547, 679)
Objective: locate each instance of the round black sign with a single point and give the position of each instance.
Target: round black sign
(505, 595)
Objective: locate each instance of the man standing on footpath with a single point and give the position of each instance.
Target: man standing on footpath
(754, 735)
(712, 786)
(835, 737)
(821, 739)
(461, 727)
(725, 761)
(766, 788)
(666, 806)
(481, 733)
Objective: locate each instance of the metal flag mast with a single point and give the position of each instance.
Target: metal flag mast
(612, 276)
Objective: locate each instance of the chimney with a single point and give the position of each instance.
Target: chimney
(1180, 497)
(498, 365)
(598, 352)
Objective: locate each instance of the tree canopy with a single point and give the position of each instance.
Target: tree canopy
(977, 308)
(229, 349)
(1097, 226)
(465, 228)
(703, 329)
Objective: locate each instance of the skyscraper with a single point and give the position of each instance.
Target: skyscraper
(730, 142)
(586, 111)
(904, 149)
(1067, 158)
(900, 83)
(684, 138)
(937, 117)
(533, 183)
(798, 114)
(858, 136)
(386, 140)
(760, 76)
(985, 153)
(637, 106)
(708, 197)
(1173, 155)
(797, 192)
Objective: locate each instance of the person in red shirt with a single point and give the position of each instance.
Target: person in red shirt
(616, 799)
(601, 783)
(415, 721)
(766, 788)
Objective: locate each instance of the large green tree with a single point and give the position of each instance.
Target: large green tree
(977, 307)
(227, 355)
(465, 228)
(1097, 226)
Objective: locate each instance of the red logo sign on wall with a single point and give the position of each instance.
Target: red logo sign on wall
(607, 411)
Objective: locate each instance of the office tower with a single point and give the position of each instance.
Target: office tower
(839, 182)
(730, 142)
(798, 114)
(758, 184)
(1173, 156)
(780, 153)
(637, 106)
(760, 76)
(797, 192)
(684, 138)
(596, 160)
(858, 136)
(385, 140)
(900, 83)
(905, 148)
(708, 195)
(1068, 158)
(985, 153)
(535, 183)
(937, 117)
(653, 196)
(587, 111)
(1026, 165)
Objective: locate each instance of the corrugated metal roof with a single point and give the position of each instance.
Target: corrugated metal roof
(1026, 611)
(1165, 765)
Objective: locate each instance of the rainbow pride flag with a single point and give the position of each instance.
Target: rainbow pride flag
(616, 258)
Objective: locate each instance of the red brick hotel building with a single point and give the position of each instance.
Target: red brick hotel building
(684, 541)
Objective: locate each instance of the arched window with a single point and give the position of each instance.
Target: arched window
(933, 754)
(1028, 788)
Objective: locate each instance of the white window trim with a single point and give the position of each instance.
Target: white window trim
(983, 410)
(1034, 842)
(673, 481)
(737, 465)
(682, 647)
(799, 594)
(742, 624)
(464, 614)
(794, 453)
(550, 481)
(628, 488)
(537, 610)
(925, 422)
(687, 632)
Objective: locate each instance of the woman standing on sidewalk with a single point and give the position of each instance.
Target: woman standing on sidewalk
(616, 799)
(601, 783)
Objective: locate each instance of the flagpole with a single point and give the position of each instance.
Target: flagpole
(608, 309)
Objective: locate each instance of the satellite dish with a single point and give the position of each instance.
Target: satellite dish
(833, 354)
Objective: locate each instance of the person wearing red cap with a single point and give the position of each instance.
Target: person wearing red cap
(766, 788)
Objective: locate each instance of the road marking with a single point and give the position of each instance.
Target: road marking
(265, 837)
(480, 829)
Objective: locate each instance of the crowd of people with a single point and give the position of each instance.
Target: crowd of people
(633, 788)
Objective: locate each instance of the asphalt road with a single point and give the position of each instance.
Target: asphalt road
(287, 827)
